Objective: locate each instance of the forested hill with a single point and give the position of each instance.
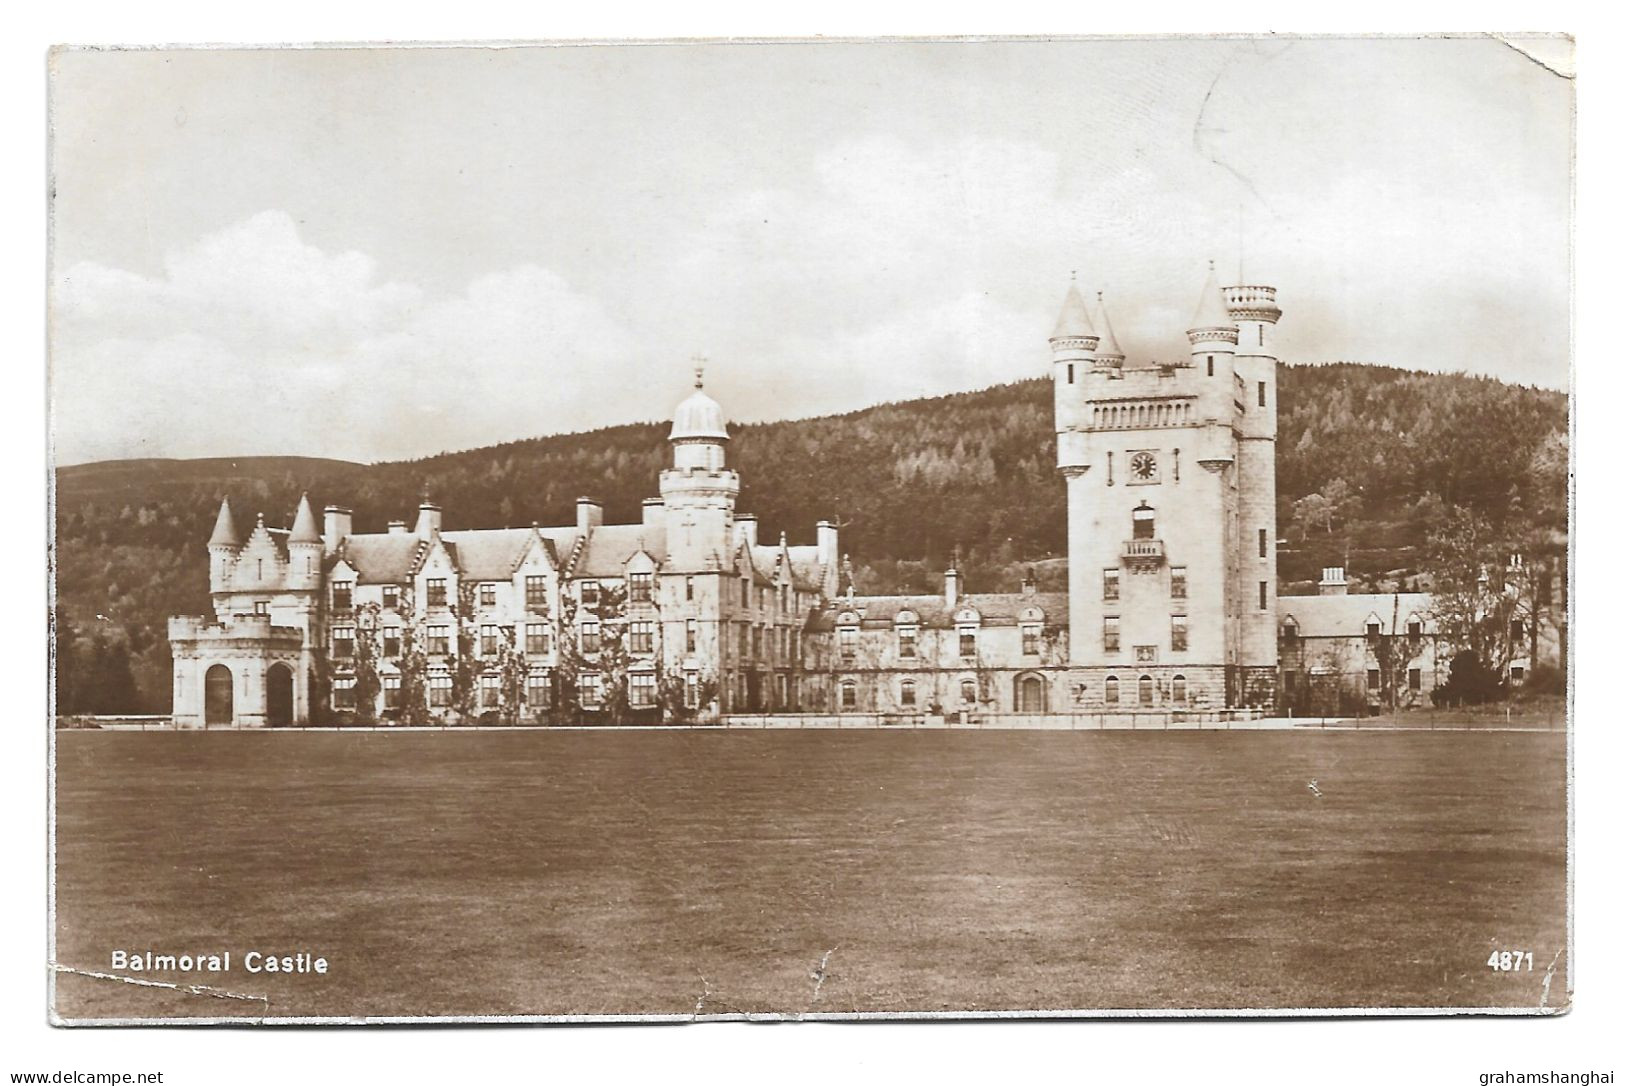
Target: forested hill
(1368, 456)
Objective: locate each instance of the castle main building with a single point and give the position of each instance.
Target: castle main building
(1170, 603)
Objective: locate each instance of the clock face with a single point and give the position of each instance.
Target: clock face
(1143, 466)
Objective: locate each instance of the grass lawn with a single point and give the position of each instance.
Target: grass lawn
(652, 872)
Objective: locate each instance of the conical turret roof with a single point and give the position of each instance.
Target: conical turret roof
(304, 524)
(225, 528)
(1108, 347)
(1074, 318)
(1211, 312)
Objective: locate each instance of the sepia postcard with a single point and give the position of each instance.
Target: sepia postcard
(795, 529)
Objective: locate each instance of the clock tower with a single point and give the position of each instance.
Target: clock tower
(1170, 476)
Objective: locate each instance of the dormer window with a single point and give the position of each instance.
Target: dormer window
(342, 591)
(1289, 631)
(1373, 629)
(488, 595)
(437, 591)
(1414, 630)
(589, 593)
(641, 587)
(392, 597)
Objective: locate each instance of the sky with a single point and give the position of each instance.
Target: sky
(378, 254)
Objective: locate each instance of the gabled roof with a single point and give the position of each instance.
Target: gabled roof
(383, 557)
(489, 554)
(806, 571)
(1346, 616)
(611, 546)
(995, 609)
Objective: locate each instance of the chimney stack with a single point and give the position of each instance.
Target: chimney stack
(950, 587)
(589, 514)
(336, 524)
(1332, 582)
(1029, 583)
(397, 527)
(745, 523)
(654, 513)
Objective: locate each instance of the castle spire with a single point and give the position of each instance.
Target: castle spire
(225, 528)
(1108, 351)
(304, 524)
(1074, 318)
(1211, 311)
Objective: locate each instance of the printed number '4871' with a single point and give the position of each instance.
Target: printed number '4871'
(1510, 961)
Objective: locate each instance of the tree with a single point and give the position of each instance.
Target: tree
(413, 666)
(1474, 603)
(366, 651)
(1394, 650)
(465, 671)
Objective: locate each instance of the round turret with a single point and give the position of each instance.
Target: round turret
(699, 418)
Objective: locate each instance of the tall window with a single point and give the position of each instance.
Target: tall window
(490, 691)
(1261, 402)
(344, 693)
(1029, 640)
(1373, 629)
(488, 640)
(1069, 374)
(589, 593)
(1210, 365)
(439, 640)
(643, 637)
(1111, 690)
(1414, 631)
(691, 689)
(1176, 582)
(536, 593)
(590, 685)
(688, 589)
(488, 595)
(536, 637)
(691, 636)
(1291, 679)
(1111, 634)
(906, 694)
(439, 691)
(1179, 634)
(1263, 542)
(641, 689)
(849, 694)
(1113, 585)
(342, 592)
(392, 691)
(343, 642)
(1413, 679)
(589, 635)
(641, 587)
(967, 691)
(1373, 681)
(1263, 595)
(392, 597)
(847, 636)
(1179, 688)
(539, 688)
(1289, 632)
(908, 638)
(967, 641)
(1145, 522)
(1147, 689)
(437, 592)
(392, 641)
(744, 591)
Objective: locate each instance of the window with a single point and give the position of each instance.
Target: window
(744, 592)
(1176, 582)
(1179, 688)
(756, 642)
(488, 640)
(392, 641)
(439, 691)
(342, 593)
(539, 689)
(392, 691)
(591, 687)
(1069, 375)
(1263, 542)
(641, 689)
(641, 587)
(1289, 632)
(488, 595)
(344, 693)
(691, 689)
(262, 607)
(437, 592)
(1373, 629)
(1147, 689)
(439, 640)
(343, 642)
(1414, 631)
(744, 641)
(589, 635)
(1145, 522)
(1179, 634)
(849, 694)
(490, 691)
(1111, 690)
(691, 636)
(392, 597)
(1112, 585)
(1517, 673)
(1373, 680)
(589, 594)
(536, 593)
(1413, 679)
(1263, 595)
(967, 642)
(908, 639)
(1517, 629)
(1261, 402)
(848, 638)
(906, 697)
(1111, 634)
(688, 589)
(643, 637)
(1291, 680)
(1210, 365)
(1029, 641)
(967, 691)
(536, 637)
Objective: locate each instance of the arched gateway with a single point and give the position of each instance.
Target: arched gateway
(217, 696)
(279, 695)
